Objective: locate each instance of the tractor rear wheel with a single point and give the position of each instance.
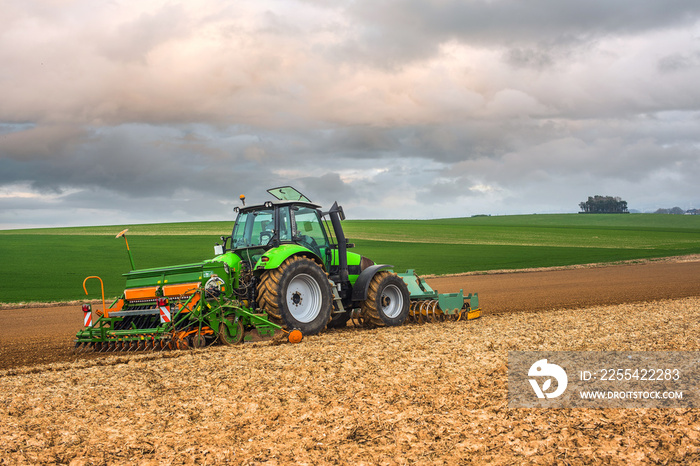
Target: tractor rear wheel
(298, 294)
(387, 300)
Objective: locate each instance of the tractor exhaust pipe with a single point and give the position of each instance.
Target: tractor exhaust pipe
(336, 214)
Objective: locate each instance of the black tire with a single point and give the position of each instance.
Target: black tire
(387, 300)
(298, 294)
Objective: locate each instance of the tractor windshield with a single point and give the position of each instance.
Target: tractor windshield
(253, 229)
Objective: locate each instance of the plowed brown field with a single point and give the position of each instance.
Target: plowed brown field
(424, 394)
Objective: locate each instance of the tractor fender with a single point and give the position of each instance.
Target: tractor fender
(273, 258)
(359, 291)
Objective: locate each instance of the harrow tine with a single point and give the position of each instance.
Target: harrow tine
(424, 312)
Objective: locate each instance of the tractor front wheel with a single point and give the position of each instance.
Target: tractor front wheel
(298, 293)
(387, 300)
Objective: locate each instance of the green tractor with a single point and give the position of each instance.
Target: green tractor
(286, 267)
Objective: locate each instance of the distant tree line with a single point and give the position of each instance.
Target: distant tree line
(604, 205)
(672, 210)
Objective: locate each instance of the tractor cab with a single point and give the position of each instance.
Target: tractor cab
(291, 224)
(274, 224)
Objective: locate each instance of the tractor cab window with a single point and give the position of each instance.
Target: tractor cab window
(285, 225)
(253, 229)
(309, 230)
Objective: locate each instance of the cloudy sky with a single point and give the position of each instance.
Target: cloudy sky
(150, 111)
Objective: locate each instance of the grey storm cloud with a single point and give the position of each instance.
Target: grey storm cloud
(156, 111)
(401, 29)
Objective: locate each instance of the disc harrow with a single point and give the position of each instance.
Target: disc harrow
(427, 305)
(428, 310)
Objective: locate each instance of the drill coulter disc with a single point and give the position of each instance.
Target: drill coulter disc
(199, 341)
(228, 338)
(183, 343)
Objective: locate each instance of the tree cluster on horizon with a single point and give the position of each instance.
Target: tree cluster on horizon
(604, 205)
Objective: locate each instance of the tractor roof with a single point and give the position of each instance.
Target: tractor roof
(284, 195)
(271, 204)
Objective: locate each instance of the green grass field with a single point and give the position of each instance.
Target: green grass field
(50, 264)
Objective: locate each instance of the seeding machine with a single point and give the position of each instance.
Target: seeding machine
(284, 271)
